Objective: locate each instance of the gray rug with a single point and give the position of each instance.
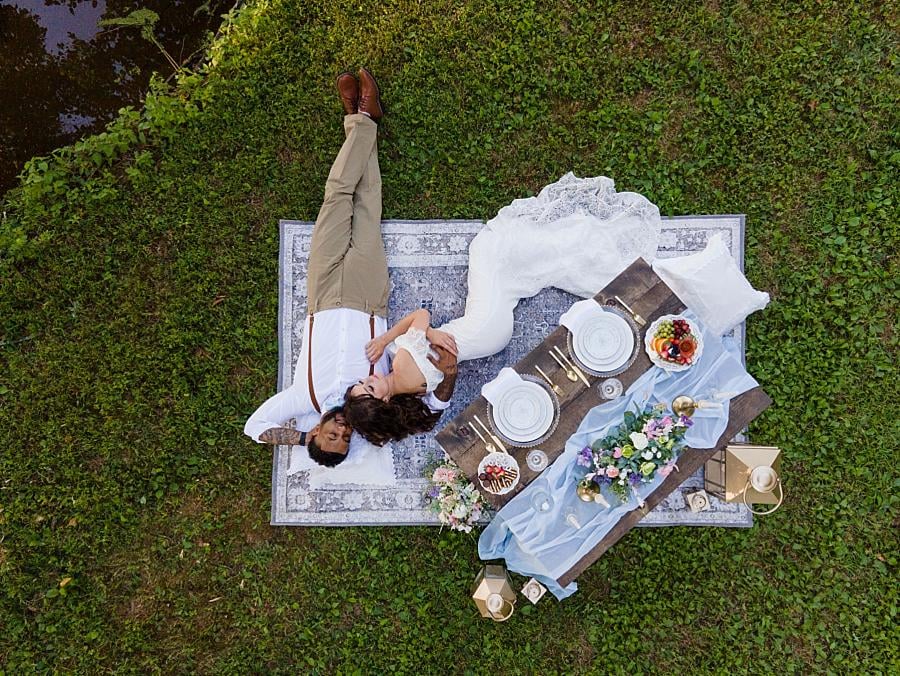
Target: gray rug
(428, 262)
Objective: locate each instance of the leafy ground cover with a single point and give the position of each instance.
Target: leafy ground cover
(138, 307)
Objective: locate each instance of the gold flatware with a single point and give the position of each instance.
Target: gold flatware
(634, 315)
(570, 374)
(491, 435)
(488, 446)
(577, 370)
(553, 386)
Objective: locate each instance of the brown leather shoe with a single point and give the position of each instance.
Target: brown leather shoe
(348, 88)
(369, 96)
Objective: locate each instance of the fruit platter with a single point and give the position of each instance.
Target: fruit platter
(498, 473)
(673, 343)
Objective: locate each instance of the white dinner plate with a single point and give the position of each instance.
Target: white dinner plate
(523, 412)
(603, 342)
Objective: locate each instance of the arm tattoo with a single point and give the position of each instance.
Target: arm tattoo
(281, 436)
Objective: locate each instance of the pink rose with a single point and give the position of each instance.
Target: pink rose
(612, 472)
(617, 453)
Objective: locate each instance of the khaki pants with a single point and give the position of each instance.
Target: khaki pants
(347, 263)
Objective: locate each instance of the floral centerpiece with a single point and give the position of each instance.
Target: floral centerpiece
(632, 453)
(454, 498)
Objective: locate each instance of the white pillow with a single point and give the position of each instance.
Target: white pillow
(711, 284)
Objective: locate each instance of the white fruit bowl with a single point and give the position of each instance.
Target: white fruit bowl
(664, 363)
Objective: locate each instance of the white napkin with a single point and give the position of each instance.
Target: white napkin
(365, 464)
(575, 315)
(504, 380)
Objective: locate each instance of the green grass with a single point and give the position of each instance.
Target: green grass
(138, 308)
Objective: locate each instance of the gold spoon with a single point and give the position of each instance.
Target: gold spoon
(488, 446)
(570, 374)
(553, 386)
(491, 434)
(634, 315)
(577, 370)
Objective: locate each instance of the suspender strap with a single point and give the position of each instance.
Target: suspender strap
(309, 374)
(309, 365)
(372, 334)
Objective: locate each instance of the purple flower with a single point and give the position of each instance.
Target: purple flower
(687, 422)
(634, 478)
(433, 492)
(602, 480)
(585, 457)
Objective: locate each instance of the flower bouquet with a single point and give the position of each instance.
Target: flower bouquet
(454, 498)
(632, 453)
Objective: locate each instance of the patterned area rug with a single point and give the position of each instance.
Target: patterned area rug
(428, 263)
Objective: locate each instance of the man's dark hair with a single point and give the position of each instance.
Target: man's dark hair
(382, 421)
(324, 457)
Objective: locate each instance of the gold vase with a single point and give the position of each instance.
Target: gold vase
(587, 490)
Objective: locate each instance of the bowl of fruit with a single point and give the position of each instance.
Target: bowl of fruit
(673, 343)
(499, 473)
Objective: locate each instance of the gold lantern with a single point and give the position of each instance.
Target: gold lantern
(493, 593)
(748, 474)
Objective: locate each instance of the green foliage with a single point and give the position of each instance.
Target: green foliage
(138, 302)
(146, 20)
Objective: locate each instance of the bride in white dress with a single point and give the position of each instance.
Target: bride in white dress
(576, 235)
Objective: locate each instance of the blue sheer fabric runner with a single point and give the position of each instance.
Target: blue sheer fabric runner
(546, 544)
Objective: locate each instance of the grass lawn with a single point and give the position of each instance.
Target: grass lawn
(138, 308)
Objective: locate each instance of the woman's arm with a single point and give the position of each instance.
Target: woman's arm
(419, 319)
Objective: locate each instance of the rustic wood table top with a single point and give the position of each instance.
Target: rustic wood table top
(647, 295)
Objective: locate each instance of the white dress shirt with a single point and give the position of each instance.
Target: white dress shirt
(339, 360)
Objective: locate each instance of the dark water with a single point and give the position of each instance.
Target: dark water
(63, 76)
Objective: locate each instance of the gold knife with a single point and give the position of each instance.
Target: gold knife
(492, 435)
(577, 370)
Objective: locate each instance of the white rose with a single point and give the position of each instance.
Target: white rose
(647, 455)
(460, 511)
(639, 440)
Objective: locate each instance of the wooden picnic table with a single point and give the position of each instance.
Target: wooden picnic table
(649, 297)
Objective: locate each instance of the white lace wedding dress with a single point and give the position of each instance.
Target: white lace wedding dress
(576, 235)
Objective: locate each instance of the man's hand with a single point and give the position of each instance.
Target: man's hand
(442, 339)
(281, 436)
(375, 348)
(446, 364)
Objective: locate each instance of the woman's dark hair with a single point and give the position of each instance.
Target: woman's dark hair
(382, 421)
